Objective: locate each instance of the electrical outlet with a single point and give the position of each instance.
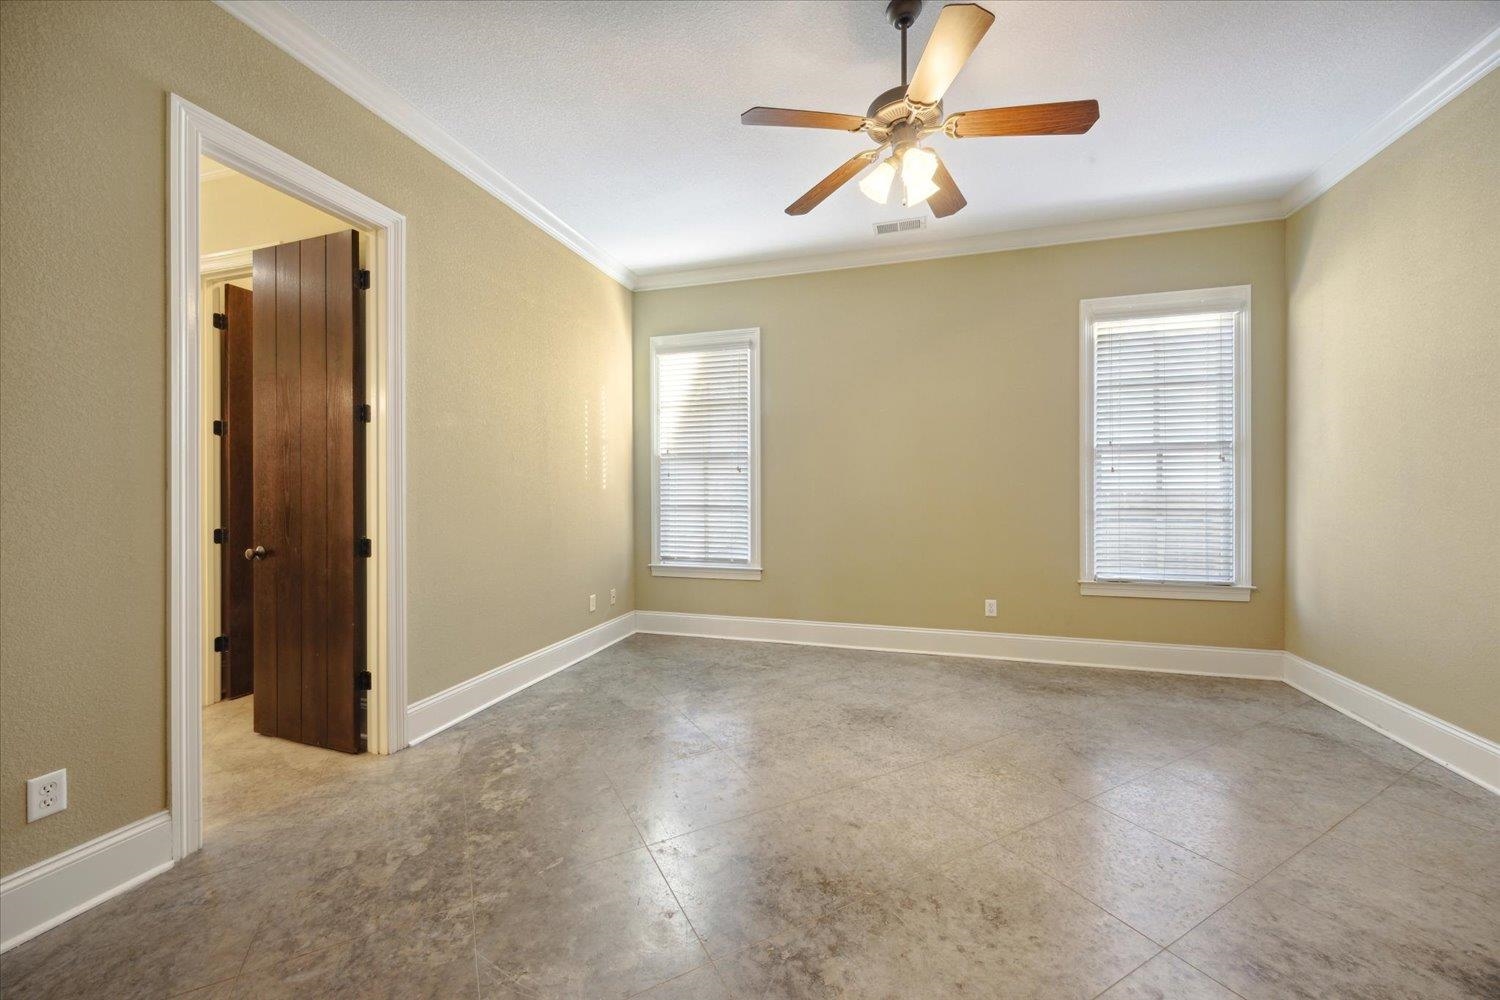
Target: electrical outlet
(46, 795)
(991, 608)
(593, 602)
(611, 597)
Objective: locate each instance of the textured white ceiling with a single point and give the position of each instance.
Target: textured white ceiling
(622, 118)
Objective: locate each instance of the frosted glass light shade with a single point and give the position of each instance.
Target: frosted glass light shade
(877, 183)
(917, 167)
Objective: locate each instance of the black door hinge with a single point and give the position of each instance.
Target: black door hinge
(364, 547)
(221, 321)
(363, 279)
(221, 535)
(363, 681)
(218, 428)
(363, 412)
(221, 644)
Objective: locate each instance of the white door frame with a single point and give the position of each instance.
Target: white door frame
(195, 133)
(215, 271)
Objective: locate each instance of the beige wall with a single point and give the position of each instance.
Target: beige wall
(236, 212)
(941, 396)
(518, 357)
(920, 439)
(1393, 438)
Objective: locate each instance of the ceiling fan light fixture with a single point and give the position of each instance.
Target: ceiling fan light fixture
(901, 117)
(916, 192)
(876, 185)
(918, 166)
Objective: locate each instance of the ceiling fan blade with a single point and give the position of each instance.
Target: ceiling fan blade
(959, 28)
(949, 199)
(831, 183)
(793, 118)
(1061, 118)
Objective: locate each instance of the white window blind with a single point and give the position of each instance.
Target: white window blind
(704, 434)
(1164, 500)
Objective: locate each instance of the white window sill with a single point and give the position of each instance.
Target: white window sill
(708, 572)
(1167, 591)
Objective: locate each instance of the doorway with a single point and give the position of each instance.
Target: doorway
(319, 611)
(288, 344)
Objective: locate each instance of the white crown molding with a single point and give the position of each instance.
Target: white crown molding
(1442, 87)
(270, 19)
(989, 243)
(1457, 749)
(1020, 239)
(45, 894)
(294, 36)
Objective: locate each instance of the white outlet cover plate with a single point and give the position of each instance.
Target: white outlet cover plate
(46, 794)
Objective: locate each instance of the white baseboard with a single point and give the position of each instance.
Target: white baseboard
(42, 896)
(1210, 661)
(433, 714)
(46, 894)
(1469, 754)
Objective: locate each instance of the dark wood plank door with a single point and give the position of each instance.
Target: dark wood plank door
(236, 475)
(308, 493)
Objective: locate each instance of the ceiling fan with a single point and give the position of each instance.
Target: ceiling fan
(899, 119)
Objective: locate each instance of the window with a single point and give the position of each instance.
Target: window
(705, 455)
(1165, 402)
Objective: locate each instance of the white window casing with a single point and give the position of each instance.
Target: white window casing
(1164, 412)
(705, 455)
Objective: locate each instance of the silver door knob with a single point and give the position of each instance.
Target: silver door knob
(259, 552)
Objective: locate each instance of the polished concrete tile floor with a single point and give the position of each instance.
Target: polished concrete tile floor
(700, 819)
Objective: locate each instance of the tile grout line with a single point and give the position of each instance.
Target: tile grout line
(1432, 812)
(664, 880)
(1330, 833)
(708, 964)
(1256, 882)
(1191, 753)
(844, 786)
(1121, 919)
(1057, 882)
(919, 868)
(1250, 884)
(897, 738)
(945, 753)
(820, 793)
(1124, 923)
(1080, 801)
(463, 746)
(202, 986)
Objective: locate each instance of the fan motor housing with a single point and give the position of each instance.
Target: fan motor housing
(891, 109)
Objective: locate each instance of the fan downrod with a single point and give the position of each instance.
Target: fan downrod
(890, 109)
(903, 13)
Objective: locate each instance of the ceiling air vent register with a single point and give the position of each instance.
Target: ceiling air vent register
(900, 226)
